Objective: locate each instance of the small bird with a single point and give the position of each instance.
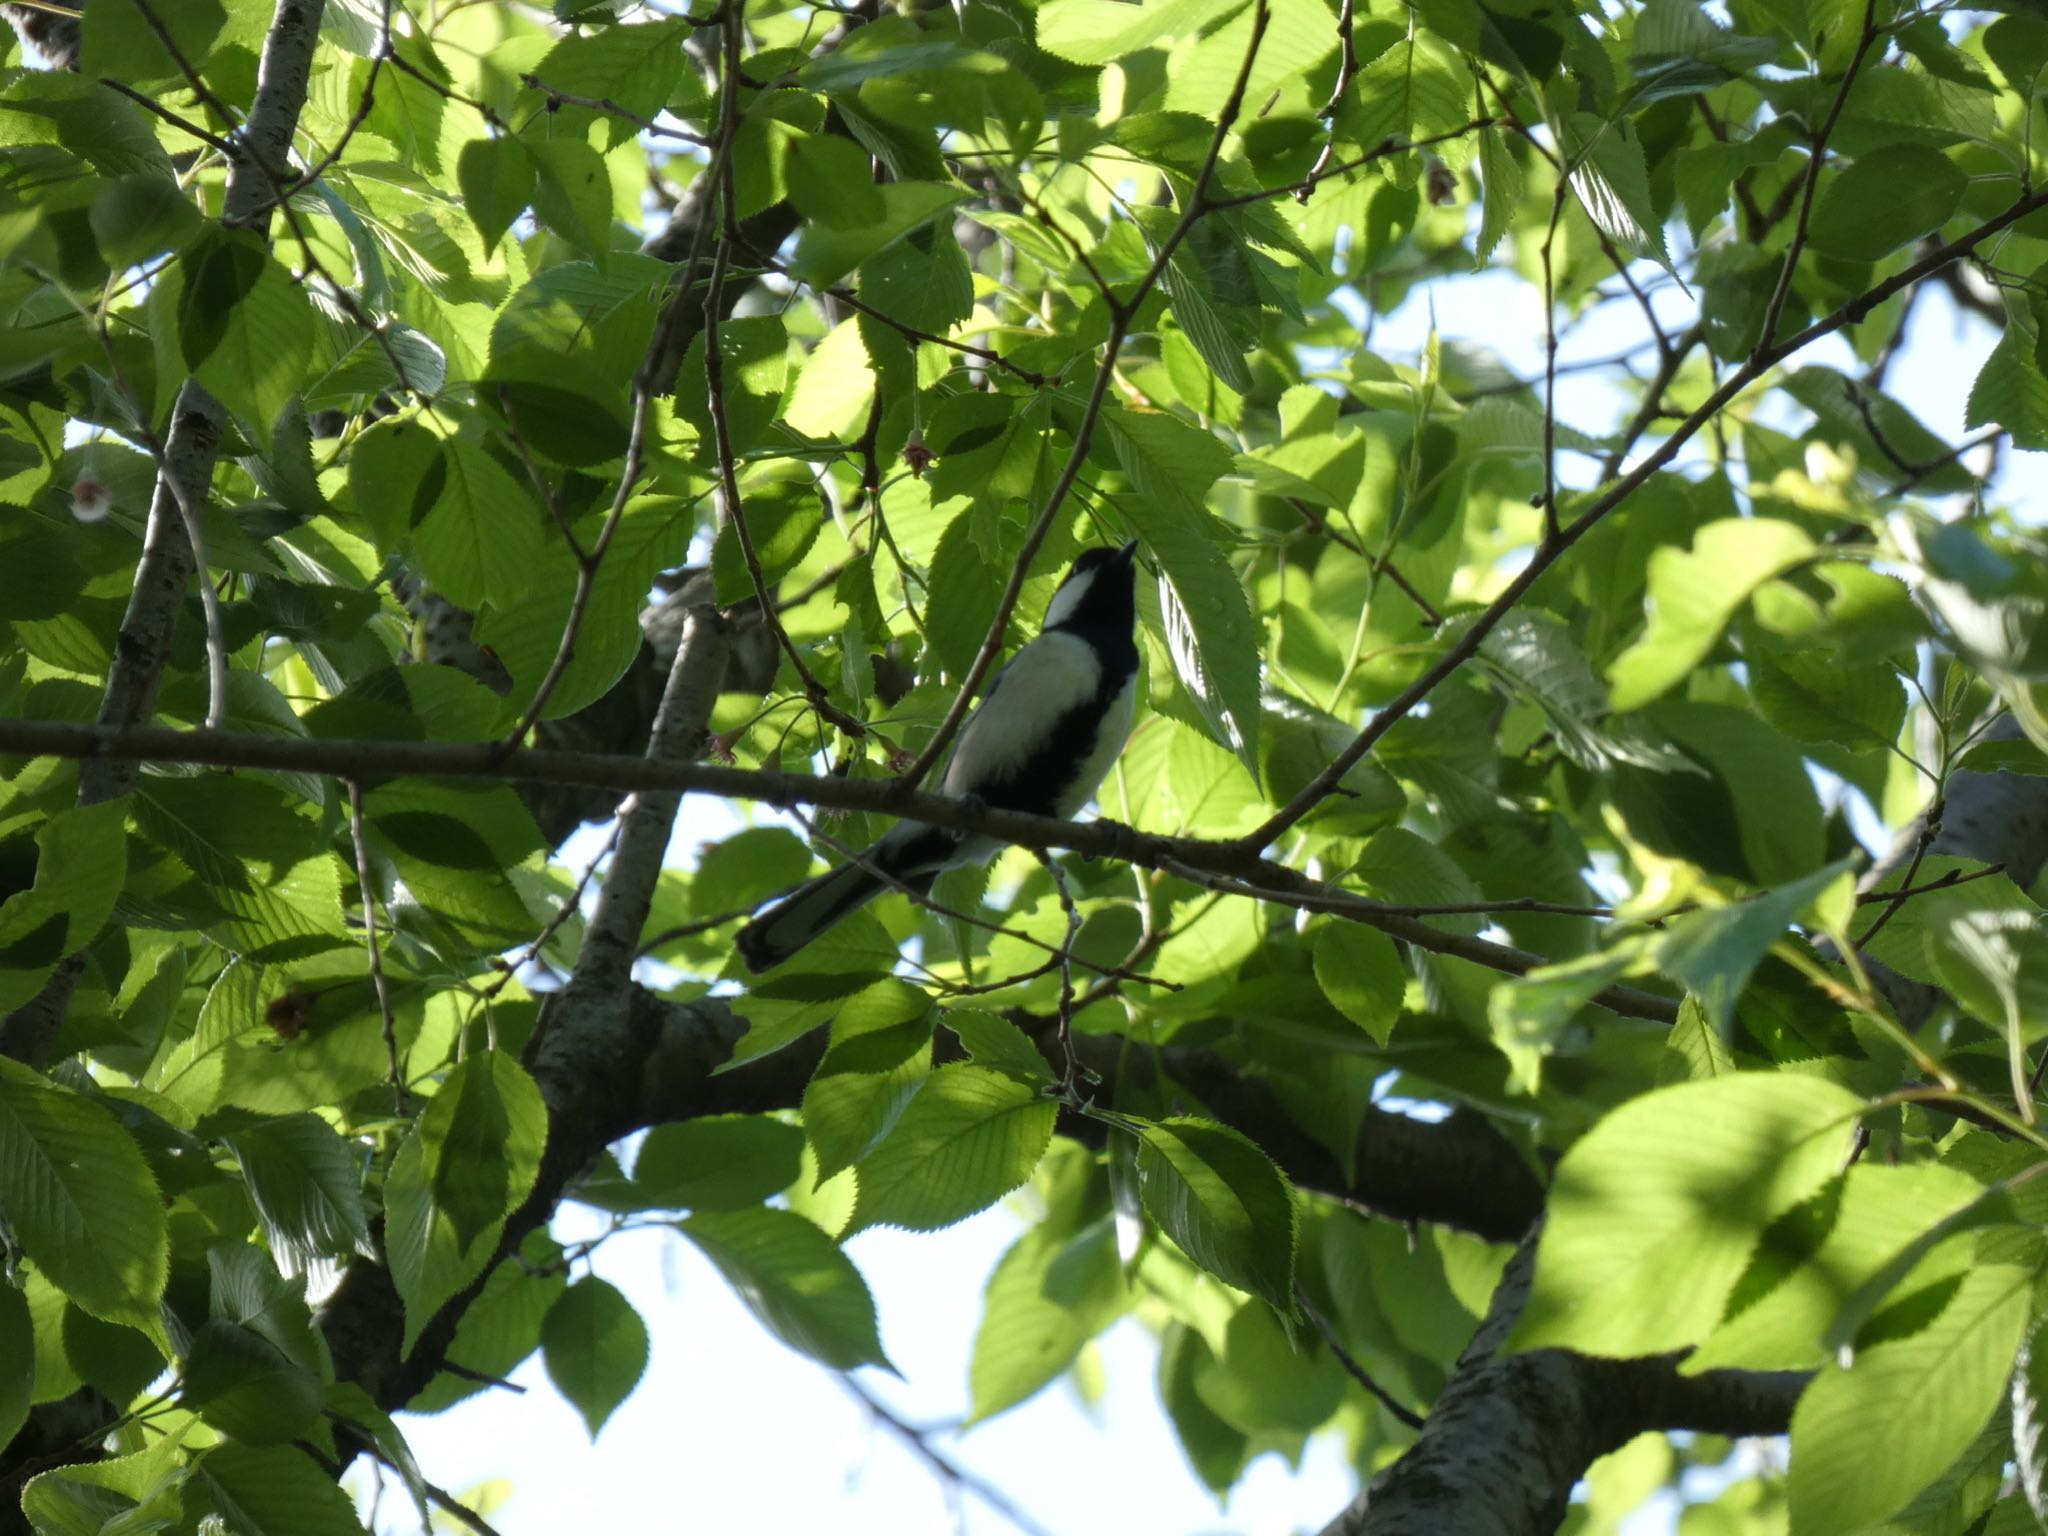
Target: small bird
(1040, 741)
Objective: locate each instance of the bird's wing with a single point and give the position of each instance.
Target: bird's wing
(1053, 674)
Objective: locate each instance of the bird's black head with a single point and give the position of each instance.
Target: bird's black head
(1100, 595)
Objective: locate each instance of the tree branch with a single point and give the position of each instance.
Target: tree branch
(1551, 551)
(1509, 1437)
(1241, 869)
(168, 557)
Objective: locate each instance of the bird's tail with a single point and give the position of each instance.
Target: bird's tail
(912, 854)
(794, 920)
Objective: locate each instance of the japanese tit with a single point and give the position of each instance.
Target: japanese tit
(1040, 741)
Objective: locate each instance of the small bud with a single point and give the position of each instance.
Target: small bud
(91, 501)
(1441, 182)
(916, 455)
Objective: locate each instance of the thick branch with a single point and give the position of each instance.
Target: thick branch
(653, 1061)
(1510, 1436)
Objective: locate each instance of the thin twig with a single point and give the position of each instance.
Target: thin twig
(557, 99)
(943, 1465)
(1347, 70)
(454, 1507)
(1670, 359)
(858, 305)
(364, 883)
(181, 123)
(1810, 182)
(924, 899)
(1071, 1068)
(1358, 1373)
(1550, 363)
(1930, 828)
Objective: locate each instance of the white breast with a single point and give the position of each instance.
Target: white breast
(1050, 676)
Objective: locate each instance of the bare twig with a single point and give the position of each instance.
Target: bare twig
(947, 1469)
(1358, 1373)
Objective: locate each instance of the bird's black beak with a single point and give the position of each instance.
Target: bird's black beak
(1128, 552)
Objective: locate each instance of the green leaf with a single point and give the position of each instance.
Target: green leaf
(1209, 628)
(1714, 952)
(1413, 90)
(480, 542)
(824, 254)
(1614, 188)
(272, 1491)
(1842, 1254)
(501, 1327)
(572, 194)
(830, 181)
(138, 217)
(17, 1361)
(1097, 31)
(451, 1156)
(880, 1056)
(1886, 199)
(1215, 1449)
(307, 1186)
(1855, 1458)
(113, 1359)
(638, 67)
(242, 1385)
(739, 872)
(718, 1162)
(595, 1348)
(144, 1491)
(999, 1045)
(78, 1198)
(480, 1142)
(127, 46)
(245, 329)
(754, 351)
(795, 1280)
(82, 858)
(396, 473)
(526, 632)
(497, 180)
(1222, 1202)
(1361, 975)
(2011, 391)
(1502, 177)
(1653, 1213)
(1693, 595)
(2029, 1422)
(967, 1139)
(1051, 1293)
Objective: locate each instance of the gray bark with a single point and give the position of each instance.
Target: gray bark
(1510, 1436)
(165, 569)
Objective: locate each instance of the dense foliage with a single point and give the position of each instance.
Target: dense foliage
(1491, 760)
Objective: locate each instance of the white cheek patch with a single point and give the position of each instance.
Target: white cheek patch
(1050, 676)
(1066, 600)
